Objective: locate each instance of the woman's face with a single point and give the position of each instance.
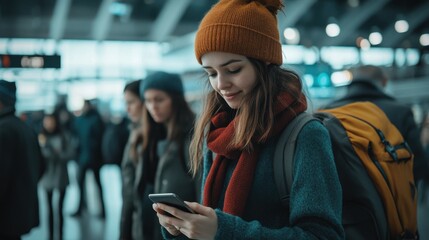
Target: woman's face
(49, 123)
(134, 106)
(231, 75)
(159, 105)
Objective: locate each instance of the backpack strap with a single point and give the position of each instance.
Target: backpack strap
(284, 154)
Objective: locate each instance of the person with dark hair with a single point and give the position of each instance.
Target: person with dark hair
(251, 100)
(368, 84)
(159, 151)
(21, 167)
(130, 225)
(66, 122)
(89, 131)
(56, 149)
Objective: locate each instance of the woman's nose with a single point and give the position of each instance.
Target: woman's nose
(222, 82)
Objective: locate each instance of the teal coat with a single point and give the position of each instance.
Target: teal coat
(316, 197)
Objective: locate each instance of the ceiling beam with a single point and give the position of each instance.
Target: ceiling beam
(59, 19)
(167, 19)
(102, 22)
(352, 20)
(180, 43)
(292, 12)
(133, 30)
(391, 38)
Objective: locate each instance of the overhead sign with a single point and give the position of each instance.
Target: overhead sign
(29, 61)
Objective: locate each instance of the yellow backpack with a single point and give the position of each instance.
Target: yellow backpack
(375, 167)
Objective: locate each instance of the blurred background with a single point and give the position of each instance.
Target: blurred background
(72, 50)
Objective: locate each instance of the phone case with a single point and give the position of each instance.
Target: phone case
(170, 199)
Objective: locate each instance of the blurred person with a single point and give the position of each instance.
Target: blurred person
(251, 100)
(63, 114)
(89, 128)
(21, 167)
(368, 84)
(131, 223)
(115, 138)
(159, 150)
(57, 147)
(66, 120)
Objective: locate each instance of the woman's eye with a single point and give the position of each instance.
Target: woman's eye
(159, 100)
(211, 74)
(235, 71)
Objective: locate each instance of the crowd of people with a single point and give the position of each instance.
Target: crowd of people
(219, 161)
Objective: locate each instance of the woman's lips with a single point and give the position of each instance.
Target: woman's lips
(230, 96)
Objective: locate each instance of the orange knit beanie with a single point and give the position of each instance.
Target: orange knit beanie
(243, 27)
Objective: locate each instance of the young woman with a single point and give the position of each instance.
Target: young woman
(252, 99)
(160, 149)
(57, 149)
(130, 225)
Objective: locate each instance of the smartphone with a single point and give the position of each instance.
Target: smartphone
(170, 199)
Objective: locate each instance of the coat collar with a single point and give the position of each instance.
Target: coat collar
(364, 90)
(7, 111)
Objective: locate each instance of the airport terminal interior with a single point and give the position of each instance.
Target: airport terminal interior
(75, 50)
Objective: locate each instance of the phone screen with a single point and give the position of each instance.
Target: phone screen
(170, 199)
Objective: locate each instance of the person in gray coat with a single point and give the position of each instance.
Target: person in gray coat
(57, 148)
(21, 167)
(160, 150)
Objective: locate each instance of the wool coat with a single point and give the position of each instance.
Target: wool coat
(21, 167)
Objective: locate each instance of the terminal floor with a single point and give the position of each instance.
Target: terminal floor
(91, 227)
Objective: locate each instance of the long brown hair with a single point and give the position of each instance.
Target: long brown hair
(272, 79)
(177, 130)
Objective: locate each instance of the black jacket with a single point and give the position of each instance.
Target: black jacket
(399, 114)
(21, 167)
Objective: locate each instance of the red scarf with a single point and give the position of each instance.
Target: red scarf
(237, 191)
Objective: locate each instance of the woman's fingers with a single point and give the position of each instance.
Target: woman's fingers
(172, 230)
(168, 219)
(175, 212)
(200, 209)
(202, 225)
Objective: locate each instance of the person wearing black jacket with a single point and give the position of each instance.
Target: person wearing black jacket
(21, 167)
(89, 128)
(368, 84)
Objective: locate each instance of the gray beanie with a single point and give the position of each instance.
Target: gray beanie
(7, 92)
(167, 82)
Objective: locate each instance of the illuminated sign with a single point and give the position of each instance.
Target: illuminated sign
(30, 61)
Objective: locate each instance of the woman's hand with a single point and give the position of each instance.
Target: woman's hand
(201, 225)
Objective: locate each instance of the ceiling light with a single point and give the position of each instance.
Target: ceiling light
(341, 78)
(424, 39)
(401, 26)
(332, 30)
(292, 35)
(364, 44)
(375, 38)
(120, 9)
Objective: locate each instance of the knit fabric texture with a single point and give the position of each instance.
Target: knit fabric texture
(7, 92)
(168, 82)
(242, 27)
